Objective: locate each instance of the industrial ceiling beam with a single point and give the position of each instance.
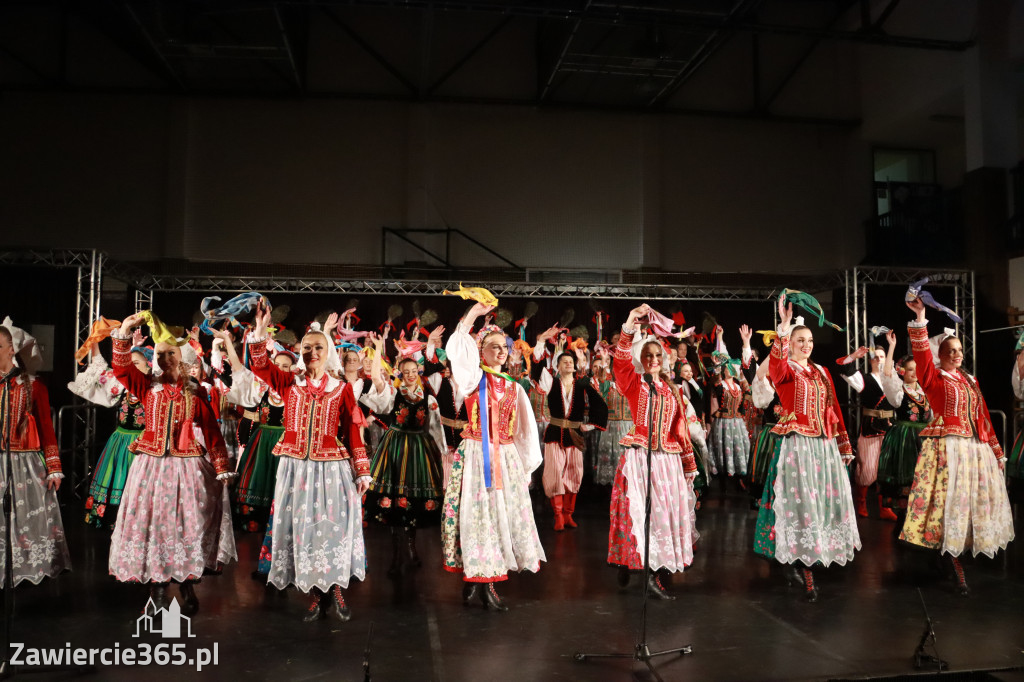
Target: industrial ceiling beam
(642, 16)
(719, 35)
(464, 59)
(844, 7)
(369, 49)
(299, 82)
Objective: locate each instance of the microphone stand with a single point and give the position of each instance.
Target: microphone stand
(642, 651)
(922, 659)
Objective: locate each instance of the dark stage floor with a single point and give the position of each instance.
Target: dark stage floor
(734, 609)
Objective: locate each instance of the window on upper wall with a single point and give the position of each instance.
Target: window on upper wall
(895, 169)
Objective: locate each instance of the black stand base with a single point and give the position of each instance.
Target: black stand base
(642, 653)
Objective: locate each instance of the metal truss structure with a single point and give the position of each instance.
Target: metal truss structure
(92, 266)
(858, 332)
(76, 423)
(859, 279)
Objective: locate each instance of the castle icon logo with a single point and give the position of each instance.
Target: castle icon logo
(166, 622)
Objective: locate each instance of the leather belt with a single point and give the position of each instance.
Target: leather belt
(454, 423)
(565, 423)
(250, 415)
(880, 414)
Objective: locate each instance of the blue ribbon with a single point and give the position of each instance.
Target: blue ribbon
(243, 303)
(485, 425)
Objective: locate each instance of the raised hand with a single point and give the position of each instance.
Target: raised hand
(859, 353)
(129, 323)
(137, 338)
(435, 335)
(262, 320)
(745, 334)
(476, 311)
(330, 323)
(548, 334)
(890, 337)
(785, 313)
(638, 313)
(918, 307)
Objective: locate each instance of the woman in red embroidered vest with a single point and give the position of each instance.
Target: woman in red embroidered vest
(958, 499)
(730, 442)
(487, 521)
(40, 549)
(807, 515)
(173, 523)
(318, 523)
(673, 468)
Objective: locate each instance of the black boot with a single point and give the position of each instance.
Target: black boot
(316, 609)
(794, 576)
(958, 576)
(810, 588)
(655, 589)
(158, 595)
(489, 596)
(395, 569)
(189, 600)
(341, 610)
(623, 577)
(470, 591)
(410, 541)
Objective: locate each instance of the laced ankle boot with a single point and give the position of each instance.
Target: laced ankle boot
(958, 576)
(341, 609)
(810, 588)
(655, 589)
(316, 609)
(489, 596)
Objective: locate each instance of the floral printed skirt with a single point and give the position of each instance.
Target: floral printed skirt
(730, 446)
(487, 533)
(608, 451)
(40, 549)
(317, 536)
(806, 512)
(868, 449)
(174, 522)
(673, 515)
(958, 499)
(109, 477)
(407, 476)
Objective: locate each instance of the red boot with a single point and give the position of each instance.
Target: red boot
(860, 504)
(556, 504)
(884, 512)
(568, 507)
